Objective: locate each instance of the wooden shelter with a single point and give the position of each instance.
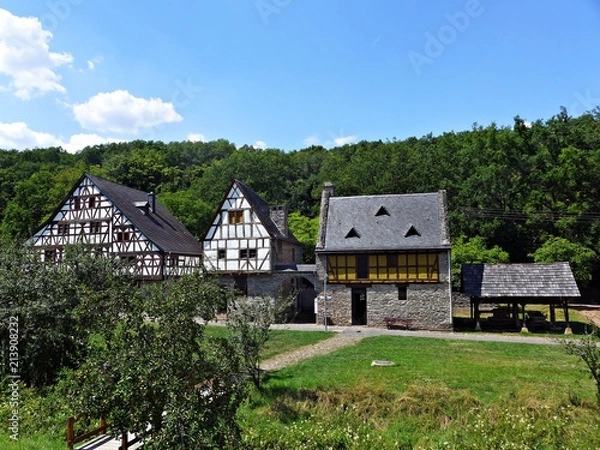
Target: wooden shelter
(517, 285)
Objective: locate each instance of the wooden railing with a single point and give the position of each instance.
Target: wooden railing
(72, 439)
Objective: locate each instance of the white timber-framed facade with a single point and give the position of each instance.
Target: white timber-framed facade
(250, 248)
(112, 219)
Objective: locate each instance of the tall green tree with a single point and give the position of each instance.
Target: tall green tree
(153, 367)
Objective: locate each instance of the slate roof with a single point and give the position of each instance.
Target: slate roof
(387, 222)
(160, 226)
(519, 280)
(263, 212)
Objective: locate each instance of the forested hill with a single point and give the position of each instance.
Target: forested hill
(531, 189)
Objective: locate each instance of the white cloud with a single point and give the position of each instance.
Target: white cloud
(80, 141)
(121, 112)
(92, 63)
(344, 140)
(196, 137)
(312, 140)
(25, 56)
(18, 136)
(260, 144)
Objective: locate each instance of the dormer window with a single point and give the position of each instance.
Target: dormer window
(382, 212)
(412, 231)
(352, 234)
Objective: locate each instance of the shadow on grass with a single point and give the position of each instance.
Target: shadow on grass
(466, 325)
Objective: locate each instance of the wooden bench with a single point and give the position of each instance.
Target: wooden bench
(398, 321)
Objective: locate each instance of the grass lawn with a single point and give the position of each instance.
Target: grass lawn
(439, 394)
(281, 341)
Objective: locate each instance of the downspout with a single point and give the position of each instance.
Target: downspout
(450, 288)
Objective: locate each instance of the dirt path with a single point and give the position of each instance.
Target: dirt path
(591, 312)
(338, 341)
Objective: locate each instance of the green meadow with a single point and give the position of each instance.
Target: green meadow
(439, 394)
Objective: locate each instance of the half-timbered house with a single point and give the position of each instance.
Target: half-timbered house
(112, 219)
(385, 259)
(250, 247)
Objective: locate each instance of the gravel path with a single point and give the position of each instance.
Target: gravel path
(347, 336)
(338, 341)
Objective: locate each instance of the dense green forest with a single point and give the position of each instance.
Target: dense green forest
(531, 190)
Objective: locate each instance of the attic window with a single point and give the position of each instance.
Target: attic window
(236, 216)
(143, 206)
(353, 234)
(382, 212)
(412, 231)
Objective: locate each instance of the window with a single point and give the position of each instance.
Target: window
(236, 216)
(352, 233)
(63, 229)
(412, 231)
(124, 235)
(95, 227)
(92, 202)
(246, 253)
(384, 267)
(402, 292)
(382, 212)
(77, 203)
(49, 255)
(221, 254)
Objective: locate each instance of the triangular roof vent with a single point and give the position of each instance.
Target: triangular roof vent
(352, 233)
(412, 231)
(382, 212)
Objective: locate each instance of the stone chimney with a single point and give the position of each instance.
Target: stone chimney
(328, 192)
(279, 216)
(445, 231)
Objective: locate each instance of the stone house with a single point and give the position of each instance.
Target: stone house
(251, 249)
(384, 256)
(112, 219)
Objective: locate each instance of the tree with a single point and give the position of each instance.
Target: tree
(587, 348)
(55, 305)
(153, 367)
(473, 251)
(249, 322)
(305, 230)
(580, 258)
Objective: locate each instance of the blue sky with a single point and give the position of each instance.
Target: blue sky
(288, 73)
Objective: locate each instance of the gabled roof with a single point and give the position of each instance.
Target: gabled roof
(519, 280)
(262, 210)
(159, 226)
(387, 223)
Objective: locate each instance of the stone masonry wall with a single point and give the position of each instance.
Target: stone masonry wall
(427, 304)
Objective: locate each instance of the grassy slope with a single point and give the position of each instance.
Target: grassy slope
(440, 394)
(280, 342)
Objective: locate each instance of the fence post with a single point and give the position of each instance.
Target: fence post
(70, 432)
